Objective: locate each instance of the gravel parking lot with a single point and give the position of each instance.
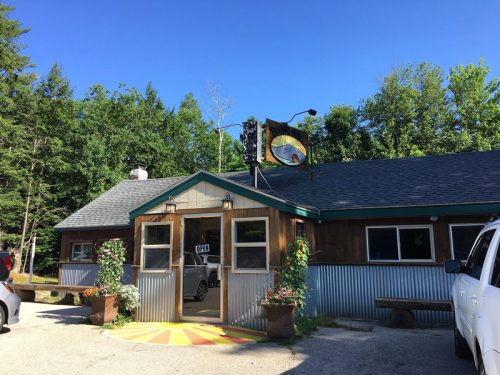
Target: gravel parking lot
(49, 340)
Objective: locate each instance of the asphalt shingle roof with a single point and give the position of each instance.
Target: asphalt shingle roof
(112, 208)
(430, 180)
(419, 181)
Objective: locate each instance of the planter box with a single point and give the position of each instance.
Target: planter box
(281, 321)
(104, 309)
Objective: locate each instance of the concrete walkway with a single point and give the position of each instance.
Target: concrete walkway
(49, 340)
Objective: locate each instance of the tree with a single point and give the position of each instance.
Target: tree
(219, 108)
(16, 106)
(475, 123)
(390, 114)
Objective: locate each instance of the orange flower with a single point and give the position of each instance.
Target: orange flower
(298, 258)
(301, 243)
(300, 252)
(303, 265)
(301, 277)
(305, 287)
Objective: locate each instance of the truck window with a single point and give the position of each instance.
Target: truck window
(495, 277)
(475, 263)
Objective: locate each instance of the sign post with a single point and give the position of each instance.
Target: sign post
(32, 256)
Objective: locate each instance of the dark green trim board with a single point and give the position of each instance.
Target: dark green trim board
(223, 184)
(448, 209)
(92, 228)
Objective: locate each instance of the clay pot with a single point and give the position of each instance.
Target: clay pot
(281, 321)
(104, 308)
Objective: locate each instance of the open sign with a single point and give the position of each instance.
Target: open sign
(202, 248)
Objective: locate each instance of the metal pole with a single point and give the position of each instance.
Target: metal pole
(32, 256)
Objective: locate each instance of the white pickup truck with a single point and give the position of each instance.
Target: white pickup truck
(476, 302)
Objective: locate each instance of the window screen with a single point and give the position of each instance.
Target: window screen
(400, 243)
(383, 243)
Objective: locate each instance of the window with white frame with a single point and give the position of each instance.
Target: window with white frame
(462, 237)
(250, 244)
(400, 243)
(81, 252)
(156, 246)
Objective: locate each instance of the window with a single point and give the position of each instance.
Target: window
(400, 243)
(81, 252)
(156, 246)
(495, 277)
(475, 263)
(300, 229)
(250, 240)
(462, 237)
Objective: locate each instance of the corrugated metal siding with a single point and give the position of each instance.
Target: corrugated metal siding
(157, 297)
(350, 291)
(85, 274)
(245, 291)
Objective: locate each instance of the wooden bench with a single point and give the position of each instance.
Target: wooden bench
(27, 291)
(401, 314)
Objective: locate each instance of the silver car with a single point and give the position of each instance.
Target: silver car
(10, 304)
(195, 277)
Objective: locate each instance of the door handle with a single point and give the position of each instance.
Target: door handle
(219, 272)
(474, 300)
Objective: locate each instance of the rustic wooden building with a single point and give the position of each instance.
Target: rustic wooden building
(377, 228)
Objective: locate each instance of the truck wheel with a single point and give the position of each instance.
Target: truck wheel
(462, 349)
(2, 317)
(201, 292)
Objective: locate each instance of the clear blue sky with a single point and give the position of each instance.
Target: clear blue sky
(274, 58)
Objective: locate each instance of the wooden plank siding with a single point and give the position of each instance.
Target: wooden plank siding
(344, 241)
(96, 237)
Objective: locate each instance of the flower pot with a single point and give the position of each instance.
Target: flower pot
(281, 321)
(104, 308)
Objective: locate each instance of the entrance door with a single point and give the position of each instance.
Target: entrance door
(202, 260)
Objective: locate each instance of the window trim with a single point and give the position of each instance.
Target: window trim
(162, 246)
(248, 244)
(451, 236)
(72, 255)
(399, 260)
(300, 221)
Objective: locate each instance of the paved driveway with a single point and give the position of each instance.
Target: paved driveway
(48, 340)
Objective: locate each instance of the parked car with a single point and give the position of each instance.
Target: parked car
(10, 303)
(476, 302)
(195, 277)
(211, 261)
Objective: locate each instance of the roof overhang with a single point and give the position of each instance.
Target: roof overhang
(224, 183)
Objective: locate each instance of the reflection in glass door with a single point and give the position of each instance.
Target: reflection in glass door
(202, 267)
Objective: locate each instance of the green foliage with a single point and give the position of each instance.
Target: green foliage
(294, 271)
(118, 322)
(129, 298)
(110, 258)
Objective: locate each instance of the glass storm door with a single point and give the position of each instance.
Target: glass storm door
(202, 267)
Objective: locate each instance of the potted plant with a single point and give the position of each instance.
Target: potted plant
(282, 302)
(104, 297)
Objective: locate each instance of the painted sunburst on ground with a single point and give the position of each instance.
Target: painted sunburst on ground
(185, 334)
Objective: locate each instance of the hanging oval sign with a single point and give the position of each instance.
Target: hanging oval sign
(288, 150)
